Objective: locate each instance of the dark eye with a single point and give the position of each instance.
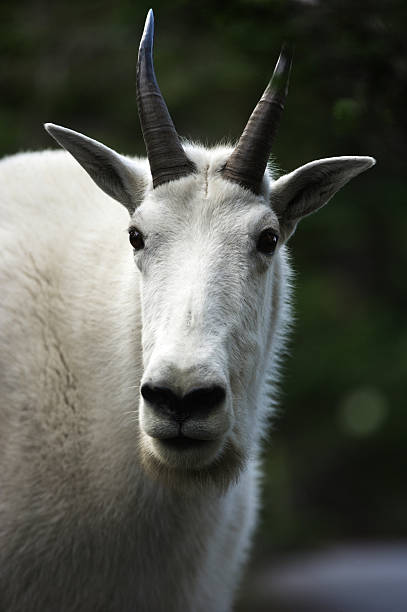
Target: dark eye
(136, 239)
(267, 241)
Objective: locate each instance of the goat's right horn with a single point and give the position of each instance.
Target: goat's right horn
(166, 156)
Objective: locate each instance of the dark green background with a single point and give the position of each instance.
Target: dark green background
(336, 459)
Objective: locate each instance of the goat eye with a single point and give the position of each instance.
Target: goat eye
(136, 239)
(267, 241)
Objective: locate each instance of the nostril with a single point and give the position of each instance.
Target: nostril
(205, 397)
(161, 397)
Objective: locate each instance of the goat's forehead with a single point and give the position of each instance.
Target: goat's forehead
(204, 195)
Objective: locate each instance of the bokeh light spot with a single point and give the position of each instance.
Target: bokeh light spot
(363, 412)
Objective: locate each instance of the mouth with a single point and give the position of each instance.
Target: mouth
(183, 443)
(185, 453)
(193, 443)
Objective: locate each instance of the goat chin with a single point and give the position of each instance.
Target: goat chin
(217, 467)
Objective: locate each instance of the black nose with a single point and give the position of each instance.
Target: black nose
(198, 400)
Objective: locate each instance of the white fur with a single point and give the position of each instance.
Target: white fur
(94, 513)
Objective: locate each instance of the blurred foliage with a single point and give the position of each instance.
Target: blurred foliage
(336, 460)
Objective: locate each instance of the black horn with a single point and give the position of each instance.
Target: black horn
(167, 158)
(248, 161)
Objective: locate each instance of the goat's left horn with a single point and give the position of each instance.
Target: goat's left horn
(248, 161)
(167, 158)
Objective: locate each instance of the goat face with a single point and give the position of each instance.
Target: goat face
(206, 292)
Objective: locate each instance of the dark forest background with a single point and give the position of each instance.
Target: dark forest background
(336, 460)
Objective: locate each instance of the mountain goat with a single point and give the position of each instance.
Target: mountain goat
(134, 378)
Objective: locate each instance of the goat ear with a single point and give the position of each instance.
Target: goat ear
(310, 187)
(117, 175)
